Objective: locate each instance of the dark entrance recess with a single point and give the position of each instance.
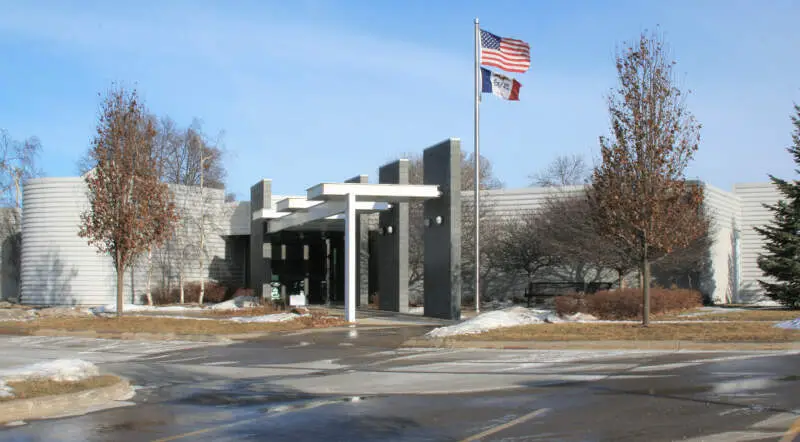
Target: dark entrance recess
(311, 262)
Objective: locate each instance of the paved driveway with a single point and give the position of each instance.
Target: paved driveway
(354, 385)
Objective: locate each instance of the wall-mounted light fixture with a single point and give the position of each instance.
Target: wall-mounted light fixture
(438, 220)
(389, 230)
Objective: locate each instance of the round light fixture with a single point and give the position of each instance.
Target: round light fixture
(389, 230)
(438, 220)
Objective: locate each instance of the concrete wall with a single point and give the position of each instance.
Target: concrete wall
(60, 268)
(725, 211)
(752, 197)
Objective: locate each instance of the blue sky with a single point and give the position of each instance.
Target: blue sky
(312, 90)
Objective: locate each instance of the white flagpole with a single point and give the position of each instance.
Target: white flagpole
(477, 166)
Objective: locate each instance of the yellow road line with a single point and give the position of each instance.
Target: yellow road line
(506, 425)
(209, 429)
(243, 422)
(792, 432)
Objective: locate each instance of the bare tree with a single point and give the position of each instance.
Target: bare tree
(17, 164)
(641, 198)
(130, 209)
(523, 245)
(573, 236)
(416, 228)
(565, 170)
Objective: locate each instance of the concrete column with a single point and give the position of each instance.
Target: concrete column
(362, 250)
(350, 241)
(393, 246)
(260, 269)
(442, 234)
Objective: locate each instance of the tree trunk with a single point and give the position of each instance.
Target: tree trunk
(202, 279)
(180, 281)
(621, 278)
(645, 288)
(120, 283)
(149, 276)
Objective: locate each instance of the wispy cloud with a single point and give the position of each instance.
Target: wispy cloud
(229, 41)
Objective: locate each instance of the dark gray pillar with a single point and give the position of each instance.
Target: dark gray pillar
(442, 242)
(393, 247)
(362, 251)
(260, 264)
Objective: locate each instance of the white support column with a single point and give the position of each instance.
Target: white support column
(350, 259)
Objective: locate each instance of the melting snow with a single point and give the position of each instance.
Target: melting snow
(794, 324)
(277, 317)
(510, 317)
(237, 303)
(60, 370)
(112, 308)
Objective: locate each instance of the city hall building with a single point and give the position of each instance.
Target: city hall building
(344, 243)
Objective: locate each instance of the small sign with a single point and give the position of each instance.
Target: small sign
(276, 291)
(297, 300)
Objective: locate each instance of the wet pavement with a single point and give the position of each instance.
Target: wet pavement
(356, 385)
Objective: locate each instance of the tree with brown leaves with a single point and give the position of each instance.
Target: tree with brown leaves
(129, 208)
(641, 198)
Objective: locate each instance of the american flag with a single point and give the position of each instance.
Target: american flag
(505, 53)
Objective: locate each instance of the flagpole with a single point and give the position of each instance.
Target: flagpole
(477, 166)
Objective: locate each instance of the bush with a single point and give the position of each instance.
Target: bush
(214, 293)
(627, 303)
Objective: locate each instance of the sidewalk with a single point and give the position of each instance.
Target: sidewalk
(603, 345)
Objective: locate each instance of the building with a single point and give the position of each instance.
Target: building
(339, 243)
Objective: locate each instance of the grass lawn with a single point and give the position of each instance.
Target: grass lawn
(699, 332)
(31, 388)
(144, 324)
(747, 315)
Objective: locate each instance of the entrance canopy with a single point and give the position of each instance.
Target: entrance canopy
(326, 205)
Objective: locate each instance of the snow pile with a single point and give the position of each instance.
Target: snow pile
(237, 303)
(794, 324)
(59, 370)
(580, 317)
(510, 317)
(765, 302)
(277, 317)
(133, 308)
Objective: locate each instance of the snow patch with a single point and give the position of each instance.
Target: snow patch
(277, 317)
(59, 370)
(794, 324)
(237, 303)
(765, 302)
(112, 308)
(510, 317)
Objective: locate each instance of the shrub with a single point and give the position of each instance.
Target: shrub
(214, 293)
(627, 303)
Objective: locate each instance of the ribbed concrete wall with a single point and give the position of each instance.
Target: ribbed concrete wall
(753, 196)
(60, 268)
(725, 211)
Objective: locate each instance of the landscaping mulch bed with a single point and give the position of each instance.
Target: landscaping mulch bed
(164, 325)
(697, 332)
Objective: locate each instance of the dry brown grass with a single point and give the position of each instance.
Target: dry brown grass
(144, 324)
(253, 311)
(748, 315)
(31, 388)
(705, 332)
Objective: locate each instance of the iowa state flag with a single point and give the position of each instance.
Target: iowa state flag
(504, 87)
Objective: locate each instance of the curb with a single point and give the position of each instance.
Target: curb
(71, 404)
(601, 345)
(140, 336)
